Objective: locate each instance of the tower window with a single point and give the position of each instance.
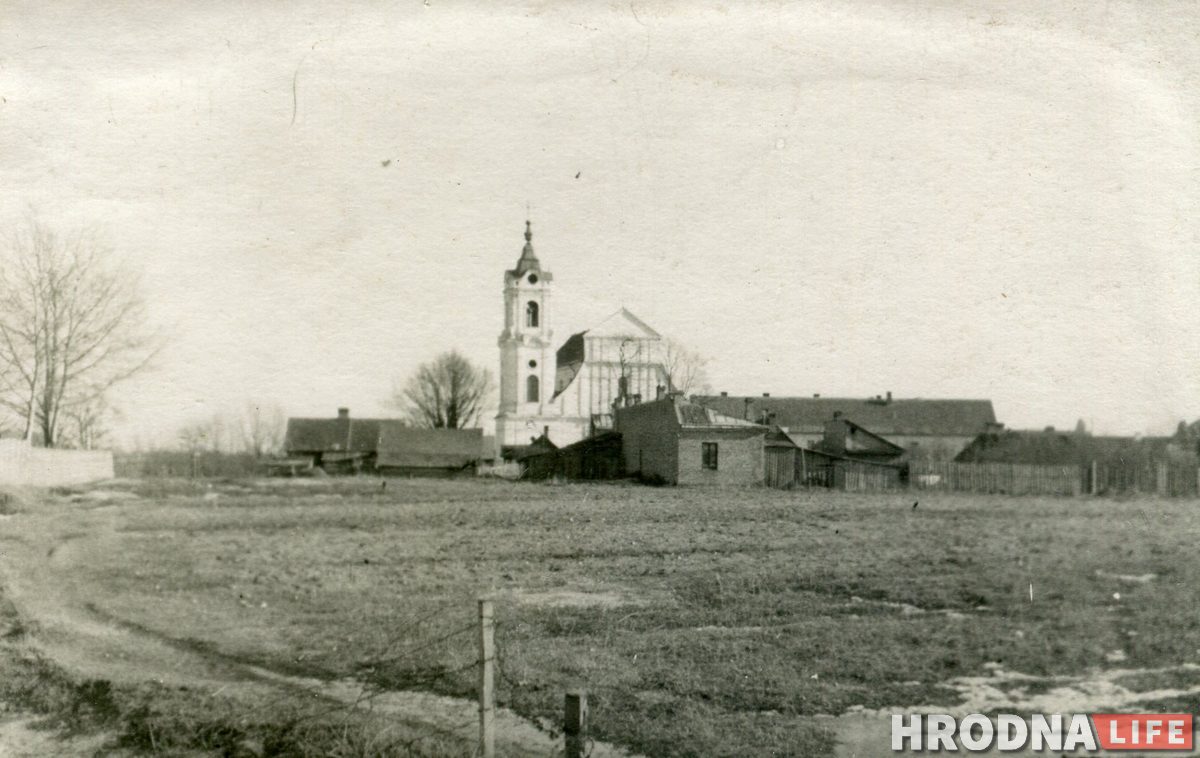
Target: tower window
(531, 314)
(531, 389)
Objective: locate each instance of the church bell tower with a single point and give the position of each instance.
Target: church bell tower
(526, 354)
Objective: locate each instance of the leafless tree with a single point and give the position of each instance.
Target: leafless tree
(85, 425)
(685, 368)
(448, 392)
(262, 427)
(210, 435)
(72, 325)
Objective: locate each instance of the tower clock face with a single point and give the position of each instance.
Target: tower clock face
(533, 279)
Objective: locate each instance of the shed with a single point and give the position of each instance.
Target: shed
(679, 442)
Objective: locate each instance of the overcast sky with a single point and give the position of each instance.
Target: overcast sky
(937, 199)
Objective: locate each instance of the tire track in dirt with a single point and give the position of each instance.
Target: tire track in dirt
(87, 639)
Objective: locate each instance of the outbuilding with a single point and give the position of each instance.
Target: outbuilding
(674, 441)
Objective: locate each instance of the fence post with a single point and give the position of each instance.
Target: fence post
(487, 680)
(575, 717)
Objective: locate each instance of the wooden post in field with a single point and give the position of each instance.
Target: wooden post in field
(487, 680)
(1094, 478)
(575, 717)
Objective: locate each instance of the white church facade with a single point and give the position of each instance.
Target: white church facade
(567, 393)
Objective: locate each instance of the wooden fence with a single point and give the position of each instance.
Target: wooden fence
(998, 478)
(858, 477)
(791, 467)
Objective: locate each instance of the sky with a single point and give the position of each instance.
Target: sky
(937, 199)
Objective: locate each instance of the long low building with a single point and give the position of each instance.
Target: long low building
(937, 429)
(388, 446)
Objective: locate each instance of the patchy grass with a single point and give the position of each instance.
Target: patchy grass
(715, 622)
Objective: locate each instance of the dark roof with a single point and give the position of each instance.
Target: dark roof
(407, 447)
(602, 440)
(946, 418)
(332, 435)
(1065, 448)
(868, 442)
(540, 446)
(306, 435)
(568, 359)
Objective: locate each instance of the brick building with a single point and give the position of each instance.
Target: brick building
(679, 442)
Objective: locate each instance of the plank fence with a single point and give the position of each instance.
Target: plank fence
(786, 468)
(998, 478)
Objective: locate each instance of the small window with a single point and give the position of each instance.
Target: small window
(532, 364)
(531, 389)
(531, 314)
(708, 451)
(533, 279)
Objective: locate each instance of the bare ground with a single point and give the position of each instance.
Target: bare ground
(37, 570)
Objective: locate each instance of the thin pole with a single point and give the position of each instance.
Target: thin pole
(487, 680)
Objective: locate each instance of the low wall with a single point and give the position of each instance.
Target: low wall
(21, 464)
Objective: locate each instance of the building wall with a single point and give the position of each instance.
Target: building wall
(739, 457)
(650, 440)
(22, 464)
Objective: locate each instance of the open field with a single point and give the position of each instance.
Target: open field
(701, 621)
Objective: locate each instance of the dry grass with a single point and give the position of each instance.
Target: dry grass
(702, 622)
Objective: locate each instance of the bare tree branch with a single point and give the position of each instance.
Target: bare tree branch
(685, 368)
(448, 392)
(72, 325)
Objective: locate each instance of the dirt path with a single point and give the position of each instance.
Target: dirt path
(21, 736)
(45, 550)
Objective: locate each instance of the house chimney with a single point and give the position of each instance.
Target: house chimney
(343, 413)
(766, 394)
(746, 411)
(724, 394)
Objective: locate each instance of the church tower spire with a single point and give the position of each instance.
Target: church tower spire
(528, 260)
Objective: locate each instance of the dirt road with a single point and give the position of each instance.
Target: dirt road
(48, 548)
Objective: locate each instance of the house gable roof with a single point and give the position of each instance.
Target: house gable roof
(943, 418)
(862, 440)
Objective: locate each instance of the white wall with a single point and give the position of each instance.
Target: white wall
(42, 467)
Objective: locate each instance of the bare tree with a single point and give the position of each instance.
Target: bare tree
(262, 428)
(210, 435)
(85, 425)
(72, 325)
(685, 368)
(448, 392)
